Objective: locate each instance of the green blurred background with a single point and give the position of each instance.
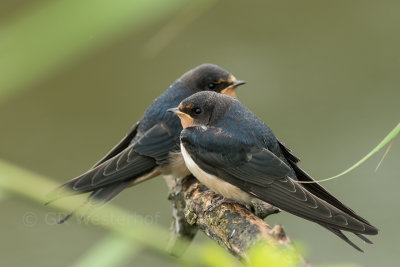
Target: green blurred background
(75, 75)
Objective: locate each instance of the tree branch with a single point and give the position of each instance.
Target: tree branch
(233, 226)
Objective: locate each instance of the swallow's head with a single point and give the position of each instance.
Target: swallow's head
(202, 109)
(210, 77)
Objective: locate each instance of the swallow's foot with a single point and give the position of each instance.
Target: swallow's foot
(219, 202)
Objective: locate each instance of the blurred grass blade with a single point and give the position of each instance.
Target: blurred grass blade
(277, 256)
(113, 250)
(52, 34)
(24, 183)
(3, 194)
(388, 139)
(176, 25)
(123, 225)
(384, 154)
(214, 256)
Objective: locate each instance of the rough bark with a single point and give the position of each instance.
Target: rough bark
(180, 228)
(232, 225)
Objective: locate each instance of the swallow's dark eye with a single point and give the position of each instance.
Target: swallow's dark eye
(197, 110)
(211, 85)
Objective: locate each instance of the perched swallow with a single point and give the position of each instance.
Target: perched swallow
(227, 148)
(151, 147)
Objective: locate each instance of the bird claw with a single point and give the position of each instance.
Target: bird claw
(217, 203)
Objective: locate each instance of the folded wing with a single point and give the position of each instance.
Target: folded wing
(260, 173)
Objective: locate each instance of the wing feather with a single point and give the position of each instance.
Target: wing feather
(124, 143)
(260, 173)
(136, 160)
(315, 188)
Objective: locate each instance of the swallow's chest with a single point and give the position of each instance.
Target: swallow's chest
(216, 184)
(176, 165)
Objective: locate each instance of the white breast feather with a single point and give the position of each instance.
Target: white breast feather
(214, 183)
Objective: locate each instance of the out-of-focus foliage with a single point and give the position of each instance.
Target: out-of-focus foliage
(129, 235)
(277, 256)
(53, 34)
(113, 250)
(214, 256)
(341, 265)
(26, 184)
(323, 74)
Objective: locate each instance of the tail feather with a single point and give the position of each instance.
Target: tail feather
(106, 194)
(98, 199)
(339, 233)
(366, 240)
(125, 167)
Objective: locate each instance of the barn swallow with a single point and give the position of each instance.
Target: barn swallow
(151, 147)
(231, 151)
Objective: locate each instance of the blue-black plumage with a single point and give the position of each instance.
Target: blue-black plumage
(235, 154)
(151, 147)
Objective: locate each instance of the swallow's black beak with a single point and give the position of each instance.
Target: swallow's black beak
(177, 111)
(186, 119)
(174, 110)
(238, 82)
(231, 89)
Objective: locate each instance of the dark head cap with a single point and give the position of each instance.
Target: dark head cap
(210, 77)
(203, 108)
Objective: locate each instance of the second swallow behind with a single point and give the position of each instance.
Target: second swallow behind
(151, 147)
